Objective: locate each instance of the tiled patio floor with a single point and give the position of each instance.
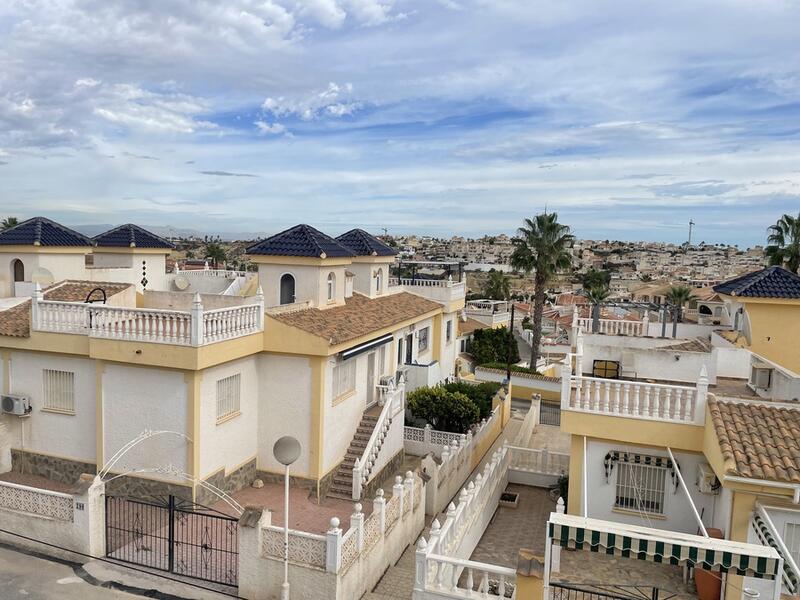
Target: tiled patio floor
(305, 514)
(513, 528)
(584, 567)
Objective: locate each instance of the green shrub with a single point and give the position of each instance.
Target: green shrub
(514, 368)
(480, 394)
(443, 409)
(492, 345)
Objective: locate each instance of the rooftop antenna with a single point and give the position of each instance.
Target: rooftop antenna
(691, 224)
(385, 231)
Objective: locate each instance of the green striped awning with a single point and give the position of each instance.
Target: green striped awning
(661, 546)
(765, 535)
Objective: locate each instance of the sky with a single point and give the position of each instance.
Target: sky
(438, 117)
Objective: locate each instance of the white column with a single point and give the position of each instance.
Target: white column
(379, 509)
(421, 565)
(260, 303)
(357, 523)
(566, 384)
(701, 396)
(555, 551)
(334, 547)
(36, 297)
(5, 449)
(197, 325)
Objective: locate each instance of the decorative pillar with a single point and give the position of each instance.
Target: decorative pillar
(421, 566)
(357, 523)
(259, 298)
(333, 538)
(196, 325)
(379, 509)
(36, 297)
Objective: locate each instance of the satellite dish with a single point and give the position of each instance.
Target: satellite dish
(42, 276)
(181, 283)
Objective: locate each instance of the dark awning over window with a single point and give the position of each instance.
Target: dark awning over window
(366, 346)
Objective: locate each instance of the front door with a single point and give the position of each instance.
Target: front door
(409, 348)
(370, 379)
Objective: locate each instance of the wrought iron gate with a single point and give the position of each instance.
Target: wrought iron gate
(593, 591)
(549, 414)
(174, 535)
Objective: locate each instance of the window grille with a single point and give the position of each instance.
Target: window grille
(449, 331)
(229, 396)
(344, 378)
(641, 487)
(58, 390)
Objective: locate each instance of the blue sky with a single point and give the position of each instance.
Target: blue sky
(442, 117)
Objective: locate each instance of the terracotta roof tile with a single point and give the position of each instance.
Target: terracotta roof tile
(469, 326)
(763, 441)
(16, 321)
(359, 316)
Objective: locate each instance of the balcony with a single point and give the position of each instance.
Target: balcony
(494, 313)
(194, 327)
(445, 291)
(615, 326)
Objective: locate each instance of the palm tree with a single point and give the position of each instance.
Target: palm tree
(542, 248)
(677, 296)
(216, 253)
(8, 223)
(784, 243)
(597, 295)
(498, 286)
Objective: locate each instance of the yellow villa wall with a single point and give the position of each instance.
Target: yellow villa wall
(775, 329)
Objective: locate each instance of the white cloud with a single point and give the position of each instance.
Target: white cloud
(331, 101)
(270, 128)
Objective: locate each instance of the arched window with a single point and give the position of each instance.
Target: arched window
(331, 287)
(704, 310)
(19, 270)
(378, 281)
(287, 288)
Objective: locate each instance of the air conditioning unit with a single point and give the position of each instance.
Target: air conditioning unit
(16, 405)
(707, 482)
(761, 377)
(388, 381)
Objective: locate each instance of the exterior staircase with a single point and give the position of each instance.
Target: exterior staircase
(342, 486)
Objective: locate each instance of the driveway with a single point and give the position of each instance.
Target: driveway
(32, 578)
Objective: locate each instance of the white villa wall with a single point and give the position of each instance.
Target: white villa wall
(649, 362)
(685, 330)
(284, 409)
(107, 268)
(732, 361)
(449, 349)
(234, 441)
(364, 283)
(678, 514)
(137, 399)
(184, 300)
(310, 283)
(42, 267)
(63, 435)
(343, 415)
(721, 513)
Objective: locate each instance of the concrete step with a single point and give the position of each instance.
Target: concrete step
(340, 493)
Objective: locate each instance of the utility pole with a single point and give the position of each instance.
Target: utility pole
(691, 224)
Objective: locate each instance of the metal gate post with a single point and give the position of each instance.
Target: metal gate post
(171, 535)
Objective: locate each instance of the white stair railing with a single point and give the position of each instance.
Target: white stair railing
(363, 468)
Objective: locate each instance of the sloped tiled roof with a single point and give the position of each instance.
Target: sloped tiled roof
(359, 316)
(762, 441)
(16, 321)
(300, 240)
(130, 236)
(772, 282)
(40, 231)
(364, 244)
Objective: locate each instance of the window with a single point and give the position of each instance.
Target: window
(422, 344)
(448, 332)
(378, 281)
(58, 390)
(331, 287)
(229, 391)
(791, 537)
(344, 378)
(607, 369)
(641, 487)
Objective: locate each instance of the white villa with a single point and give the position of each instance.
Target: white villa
(100, 347)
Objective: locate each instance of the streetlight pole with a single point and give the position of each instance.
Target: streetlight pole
(286, 450)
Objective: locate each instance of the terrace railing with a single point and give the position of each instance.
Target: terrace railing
(614, 326)
(196, 327)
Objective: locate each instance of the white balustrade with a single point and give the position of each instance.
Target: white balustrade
(184, 328)
(228, 323)
(637, 399)
(61, 317)
(614, 326)
(141, 325)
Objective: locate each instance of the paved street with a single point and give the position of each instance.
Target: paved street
(31, 578)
